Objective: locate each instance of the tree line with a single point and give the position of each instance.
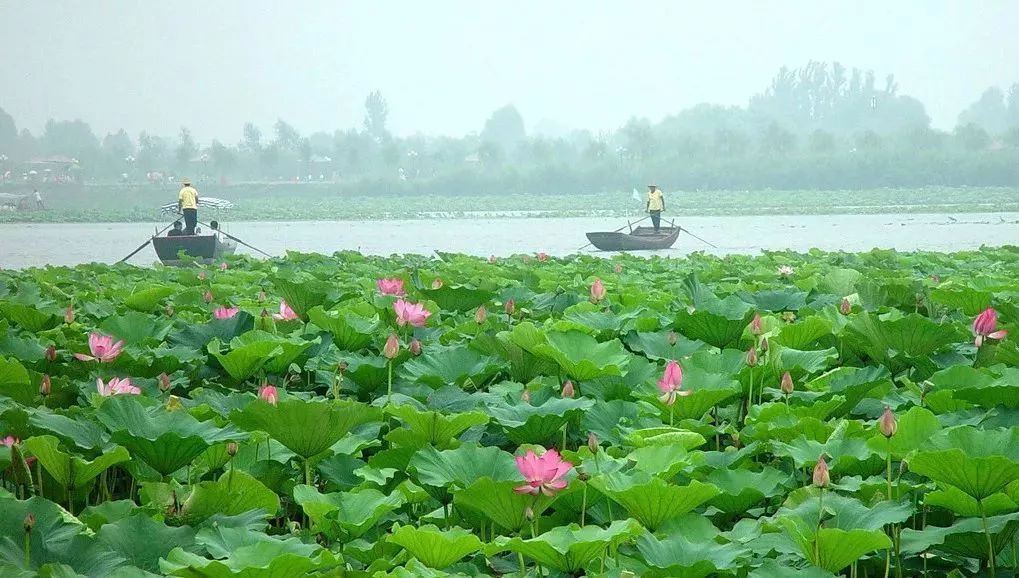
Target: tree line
(818, 126)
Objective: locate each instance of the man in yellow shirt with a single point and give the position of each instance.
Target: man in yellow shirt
(187, 202)
(655, 205)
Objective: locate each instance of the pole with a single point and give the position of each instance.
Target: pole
(628, 224)
(229, 236)
(687, 231)
(146, 243)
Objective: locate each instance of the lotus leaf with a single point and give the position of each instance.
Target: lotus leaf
(306, 428)
(569, 548)
(435, 548)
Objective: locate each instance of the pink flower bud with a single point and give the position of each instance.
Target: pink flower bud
(201, 275)
(261, 296)
(223, 266)
(752, 356)
(672, 338)
(492, 259)
(480, 315)
(437, 283)
(208, 297)
(787, 383)
(231, 449)
(597, 291)
(568, 390)
(29, 522)
(821, 477)
(845, 308)
(69, 314)
(268, 394)
(755, 325)
(764, 345)
(510, 306)
(415, 347)
(392, 347)
(618, 268)
(45, 386)
(592, 442)
(51, 353)
(164, 382)
(888, 425)
(526, 396)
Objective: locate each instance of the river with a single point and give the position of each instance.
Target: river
(30, 245)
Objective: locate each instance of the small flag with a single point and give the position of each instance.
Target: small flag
(636, 196)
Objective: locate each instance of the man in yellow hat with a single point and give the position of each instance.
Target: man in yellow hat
(187, 203)
(655, 205)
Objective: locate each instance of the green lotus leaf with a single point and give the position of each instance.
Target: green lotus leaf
(657, 346)
(692, 552)
(289, 349)
(15, 382)
(915, 429)
(958, 502)
(665, 460)
(652, 500)
(800, 362)
(147, 299)
(526, 423)
(71, 471)
(67, 541)
(431, 427)
(665, 435)
(135, 327)
(839, 282)
(720, 325)
(773, 569)
(142, 541)
(569, 548)
(27, 349)
(581, 356)
(255, 555)
(440, 366)
(833, 549)
(104, 513)
(524, 366)
(978, 462)
(983, 387)
(457, 298)
(785, 299)
(224, 330)
(969, 301)
(964, 538)
(744, 489)
(846, 512)
(497, 501)
(435, 548)
(245, 361)
(350, 514)
(165, 440)
(463, 466)
(353, 327)
(306, 428)
(852, 384)
(803, 334)
(235, 492)
(28, 317)
(912, 336)
(613, 421)
(302, 295)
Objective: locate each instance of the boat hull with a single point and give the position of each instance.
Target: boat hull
(641, 239)
(201, 248)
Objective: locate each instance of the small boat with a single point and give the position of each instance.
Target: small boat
(203, 248)
(639, 239)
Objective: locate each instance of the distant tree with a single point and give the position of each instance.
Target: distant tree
(1013, 105)
(989, 112)
(505, 128)
(186, 148)
(287, 137)
(376, 111)
(222, 157)
(868, 140)
(118, 145)
(777, 140)
(72, 138)
(1011, 137)
(252, 141)
(490, 154)
(596, 150)
(731, 142)
(972, 137)
(304, 151)
(27, 146)
(269, 157)
(8, 134)
(151, 152)
(822, 142)
(638, 140)
(924, 138)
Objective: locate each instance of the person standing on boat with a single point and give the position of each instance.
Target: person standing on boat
(655, 205)
(187, 202)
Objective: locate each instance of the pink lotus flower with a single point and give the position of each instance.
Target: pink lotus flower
(480, 315)
(786, 384)
(102, 347)
(45, 385)
(116, 386)
(391, 287)
(888, 425)
(414, 347)
(786, 270)
(286, 313)
(671, 383)
(755, 325)
(845, 307)
(985, 326)
(510, 306)
(542, 256)
(268, 394)
(69, 314)
(568, 390)
(821, 477)
(9, 441)
(492, 259)
(410, 313)
(543, 474)
(392, 347)
(597, 291)
(437, 283)
(225, 312)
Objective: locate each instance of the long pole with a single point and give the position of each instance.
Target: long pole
(687, 231)
(146, 243)
(628, 224)
(229, 236)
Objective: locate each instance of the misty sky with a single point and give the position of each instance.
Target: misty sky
(444, 66)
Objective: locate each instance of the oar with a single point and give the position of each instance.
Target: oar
(146, 243)
(687, 231)
(229, 236)
(628, 224)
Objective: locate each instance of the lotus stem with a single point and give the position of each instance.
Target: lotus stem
(817, 534)
(389, 388)
(583, 509)
(888, 464)
(307, 471)
(565, 425)
(670, 415)
(38, 477)
(990, 543)
(28, 549)
(523, 568)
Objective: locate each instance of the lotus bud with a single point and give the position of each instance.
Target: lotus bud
(208, 297)
(261, 296)
(480, 315)
(526, 396)
(788, 316)
(264, 313)
(583, 476)
(936, 278)
(542, 256)
(888, 425)
(51, 353)
(618, 268)
(168, 310)
(437, 283)
(341, 367)
(752, 356)
(510, 306)
(268, 394)
(845, 307)
(173, 403)
(764, 345)
(787, 383)
(69, 314)
(821, 476)
(392, 347)
(672, 338)
(529, 513)
(755, 325)
(29, 522)
(231, 449)
(592, 442)
(45, 386)
(568, 390)
(201, 275)
(491, 259)
(597, 291)
(415, 347)
(164, 382)
(223, 266)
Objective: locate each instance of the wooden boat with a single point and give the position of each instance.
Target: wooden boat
(203, 248)
(639, 239)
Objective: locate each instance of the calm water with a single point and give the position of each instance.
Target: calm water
(27, 245)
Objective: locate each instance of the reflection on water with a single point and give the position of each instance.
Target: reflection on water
(25, 245)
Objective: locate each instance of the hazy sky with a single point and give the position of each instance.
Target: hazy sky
(444, 66)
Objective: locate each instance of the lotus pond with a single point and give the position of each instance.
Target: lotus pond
(784, 415)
